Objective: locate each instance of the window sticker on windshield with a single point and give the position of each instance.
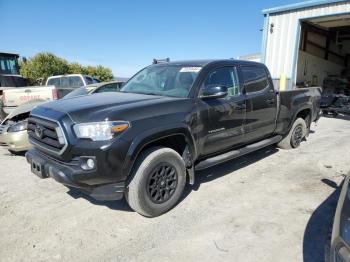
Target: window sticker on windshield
(192, 69)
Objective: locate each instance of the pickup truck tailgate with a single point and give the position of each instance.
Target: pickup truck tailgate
(17, 96)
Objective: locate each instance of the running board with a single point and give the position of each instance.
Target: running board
(237, 153)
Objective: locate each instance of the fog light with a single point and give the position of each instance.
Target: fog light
(88, 164)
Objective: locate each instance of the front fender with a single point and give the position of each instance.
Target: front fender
(154, 134)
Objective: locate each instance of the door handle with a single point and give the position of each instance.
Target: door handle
(270, 101)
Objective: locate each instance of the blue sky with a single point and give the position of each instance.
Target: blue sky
(127, 35)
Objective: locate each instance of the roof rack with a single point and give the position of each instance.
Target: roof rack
(161, 61)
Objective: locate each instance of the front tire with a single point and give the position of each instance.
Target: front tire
(295, 135)
(157, 183)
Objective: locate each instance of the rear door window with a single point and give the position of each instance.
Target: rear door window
(255, 79)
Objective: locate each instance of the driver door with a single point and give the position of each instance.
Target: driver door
(222, 119)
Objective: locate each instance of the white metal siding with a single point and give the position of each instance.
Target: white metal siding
(281, 44)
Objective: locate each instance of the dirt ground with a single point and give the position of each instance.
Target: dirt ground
(272, 205)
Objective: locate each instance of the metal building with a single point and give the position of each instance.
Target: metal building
(307, 42)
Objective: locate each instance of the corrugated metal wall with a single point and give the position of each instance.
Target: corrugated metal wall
(281, 49)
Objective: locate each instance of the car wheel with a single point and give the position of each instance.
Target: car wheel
(295, 135)
(157, 182)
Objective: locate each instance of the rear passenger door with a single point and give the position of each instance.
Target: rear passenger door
(261, 102)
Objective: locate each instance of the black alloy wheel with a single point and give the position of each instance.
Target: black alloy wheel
(297, 136)
(162, 183)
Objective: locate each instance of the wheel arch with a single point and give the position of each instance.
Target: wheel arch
(178, 138)
(303, 112)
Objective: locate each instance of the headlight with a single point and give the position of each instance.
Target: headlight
(20, 126)
(100, 131)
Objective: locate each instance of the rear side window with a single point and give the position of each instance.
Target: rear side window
(255, 79)
(75, 81)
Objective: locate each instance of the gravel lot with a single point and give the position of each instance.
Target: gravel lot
(272, 205)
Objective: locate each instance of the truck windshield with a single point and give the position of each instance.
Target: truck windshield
(163, 80)
(9, 65)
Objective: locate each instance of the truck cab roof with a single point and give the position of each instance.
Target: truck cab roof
(205, 62)
(67, 75)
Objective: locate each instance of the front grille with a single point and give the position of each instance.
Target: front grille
(46, 134)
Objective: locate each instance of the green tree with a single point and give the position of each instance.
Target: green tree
(100, 72)
(43, 65)
(75, 68)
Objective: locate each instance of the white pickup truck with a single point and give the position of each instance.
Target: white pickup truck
(56, 87)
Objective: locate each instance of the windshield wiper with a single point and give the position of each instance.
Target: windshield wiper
(152, 94)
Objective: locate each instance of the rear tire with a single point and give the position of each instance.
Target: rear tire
(295, 135)
(157, 182)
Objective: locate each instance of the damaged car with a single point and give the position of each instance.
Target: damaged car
(13, 129)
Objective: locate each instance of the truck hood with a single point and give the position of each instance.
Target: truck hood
(108, 106)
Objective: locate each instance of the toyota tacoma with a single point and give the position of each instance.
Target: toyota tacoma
(169, 120)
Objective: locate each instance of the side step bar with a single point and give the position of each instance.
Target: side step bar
(237, 153)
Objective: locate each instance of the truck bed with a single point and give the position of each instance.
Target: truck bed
(292, 101)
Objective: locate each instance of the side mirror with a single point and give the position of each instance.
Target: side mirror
(214, 91)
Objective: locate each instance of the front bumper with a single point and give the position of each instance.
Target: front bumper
(340, 250)
(15, 141)
(71, 174)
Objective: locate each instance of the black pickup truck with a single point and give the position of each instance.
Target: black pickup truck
(169, 120)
